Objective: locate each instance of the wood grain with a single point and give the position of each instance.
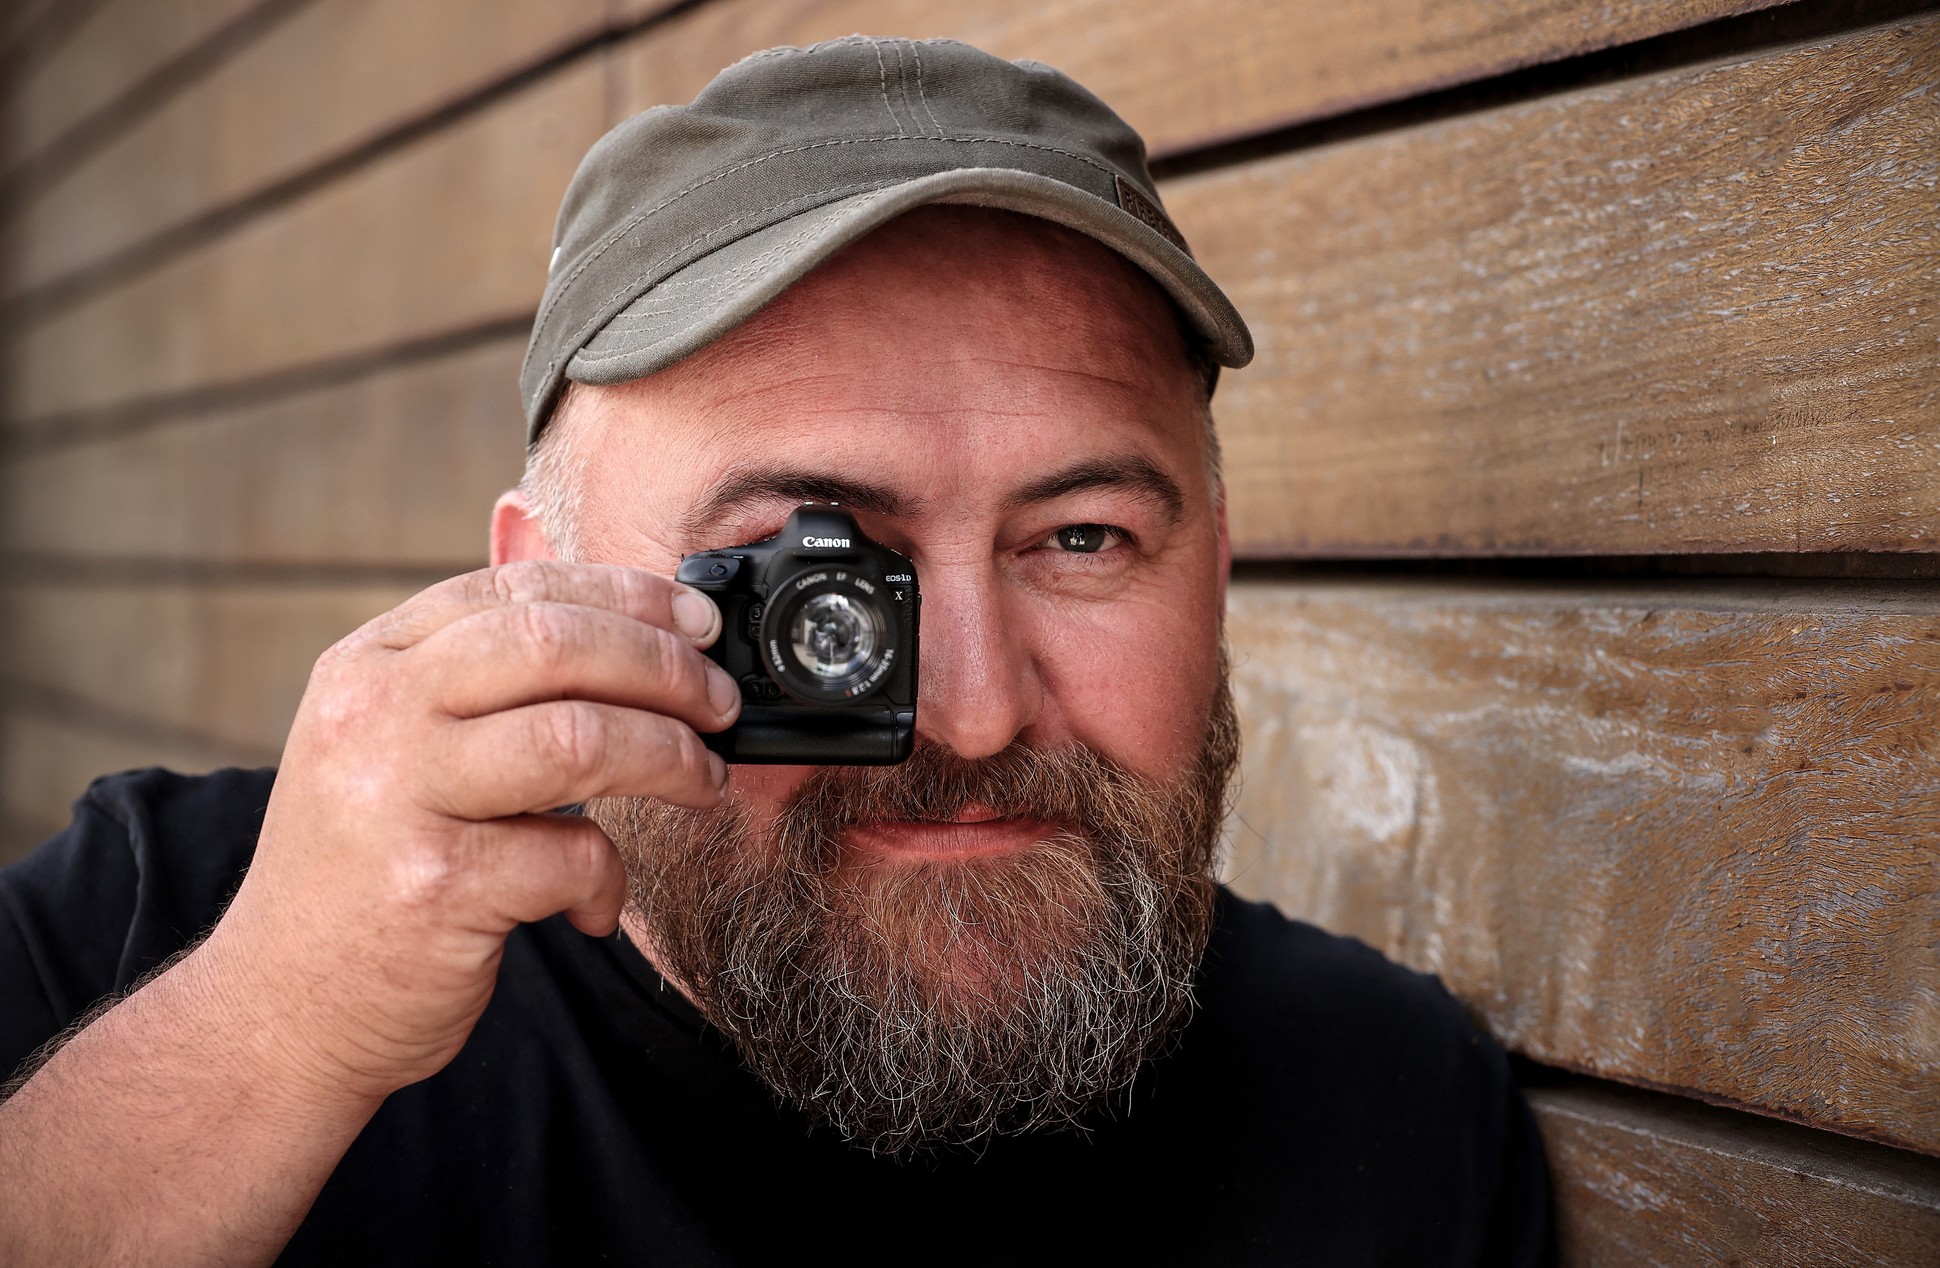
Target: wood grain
(1183, 74)
(1686, 836)
(454, 231)
(341, 71)
(1642, 1181)
(224, 663)
(120, 43)
(1694, 312)
(17, 20)
(399, 469)
(330, 77)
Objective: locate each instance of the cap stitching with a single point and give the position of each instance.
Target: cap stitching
(712, 284)
(902, 89)
(629, 225)
(882, 82)
(916, 51)
(632, 223)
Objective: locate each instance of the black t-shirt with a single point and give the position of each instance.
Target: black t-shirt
(1323, 1106)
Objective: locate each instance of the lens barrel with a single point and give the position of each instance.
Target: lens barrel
(828, 635)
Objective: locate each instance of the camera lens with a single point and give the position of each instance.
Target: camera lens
(828, 635)
(834, 637)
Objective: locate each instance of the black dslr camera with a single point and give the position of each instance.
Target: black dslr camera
(818, 625)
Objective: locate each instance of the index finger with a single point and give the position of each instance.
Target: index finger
(635, 592)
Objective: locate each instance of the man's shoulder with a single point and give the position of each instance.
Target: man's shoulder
(1290, 1009)
(195, 833)
(1290, 974)
(1362, 1113)
(1333, 1072)
(232, 798)
(146, 865)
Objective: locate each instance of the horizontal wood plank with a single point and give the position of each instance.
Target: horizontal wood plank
(226, 664)
(396, 469)
(274, 107)
(330, 77)
(1684, 836)
(1645, 1181)
(1693, 312)
(282, 107)
(120, 44)
(17, 21)
(47, 760)
(1183, 74)
(446, 234)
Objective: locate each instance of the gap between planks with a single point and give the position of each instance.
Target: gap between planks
(1731, 36)
(126, 264)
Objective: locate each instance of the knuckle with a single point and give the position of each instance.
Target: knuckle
(587, 848)
(686, 754)
(336, 654)
(684, 671)
(574, 734)
(548, 635)
(339, 709)
(469, 586)
(423, 876)
(660, 660)
(519, 582)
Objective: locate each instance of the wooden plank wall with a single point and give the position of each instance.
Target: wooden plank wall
(1586, 489)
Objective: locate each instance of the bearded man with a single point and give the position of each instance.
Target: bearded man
(985, 1006)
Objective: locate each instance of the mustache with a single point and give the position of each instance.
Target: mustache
(1072, 787)
(938, 1003)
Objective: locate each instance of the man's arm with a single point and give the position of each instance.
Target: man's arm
(171, 1129)
(196, 1120)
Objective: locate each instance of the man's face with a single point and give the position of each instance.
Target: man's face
(1011, 405)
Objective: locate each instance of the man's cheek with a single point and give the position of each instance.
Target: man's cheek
(1138, 689)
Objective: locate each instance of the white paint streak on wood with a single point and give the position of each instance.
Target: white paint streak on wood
(1684, 838)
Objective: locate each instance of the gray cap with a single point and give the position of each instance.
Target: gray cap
(683, 221)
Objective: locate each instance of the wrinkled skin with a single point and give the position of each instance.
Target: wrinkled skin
(942, 367)
(986, 353)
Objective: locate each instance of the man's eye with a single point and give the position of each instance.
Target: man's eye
(1084, 539)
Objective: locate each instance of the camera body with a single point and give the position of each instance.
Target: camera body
(819, 628)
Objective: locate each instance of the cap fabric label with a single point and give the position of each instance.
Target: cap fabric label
(1147, 211)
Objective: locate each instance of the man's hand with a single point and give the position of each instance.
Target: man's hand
(407, 835)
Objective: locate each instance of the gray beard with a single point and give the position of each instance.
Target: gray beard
(920, 1003)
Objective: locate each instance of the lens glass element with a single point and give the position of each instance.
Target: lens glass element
(835, 637)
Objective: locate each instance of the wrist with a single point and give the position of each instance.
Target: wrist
(276, 1031)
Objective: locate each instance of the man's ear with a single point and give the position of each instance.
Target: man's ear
(516, 533)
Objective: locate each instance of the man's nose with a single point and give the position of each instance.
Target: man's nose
(979, 684)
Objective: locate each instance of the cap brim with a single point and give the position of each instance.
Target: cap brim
(700, 303)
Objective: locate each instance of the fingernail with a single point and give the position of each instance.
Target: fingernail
(719, 770)
(695, 615)
(721, 691)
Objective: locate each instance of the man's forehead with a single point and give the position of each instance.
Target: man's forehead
(957, 347)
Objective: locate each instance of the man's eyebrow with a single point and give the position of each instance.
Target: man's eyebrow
(1135, 475)
(792, 484)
